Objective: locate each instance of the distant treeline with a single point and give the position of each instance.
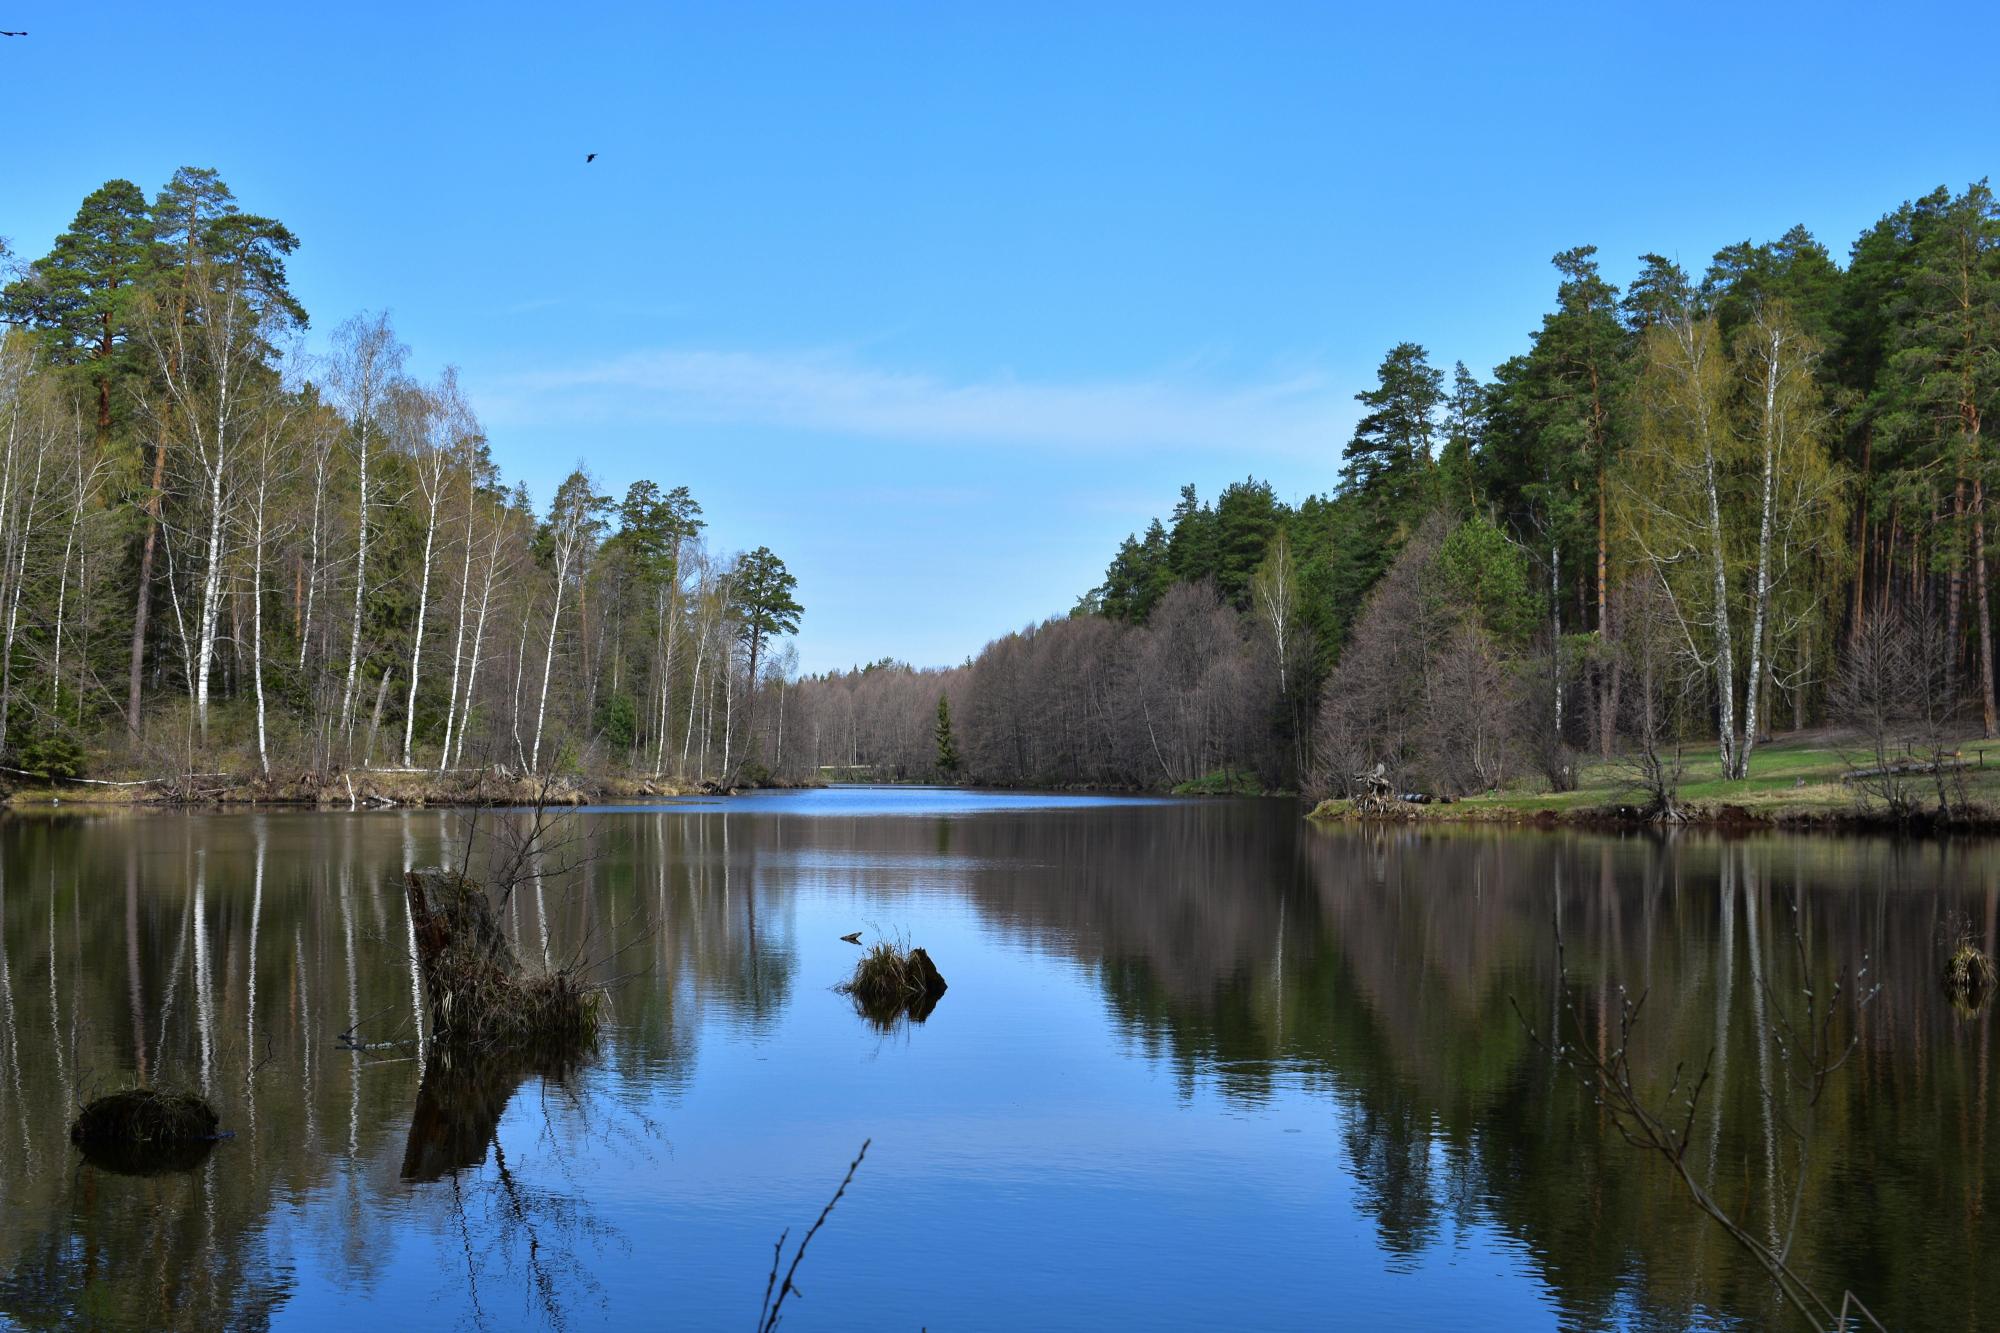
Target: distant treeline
(1691, 511)
(217, 550)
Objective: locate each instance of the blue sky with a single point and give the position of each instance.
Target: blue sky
(941, 301)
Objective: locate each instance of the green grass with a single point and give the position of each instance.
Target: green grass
(1792, 776)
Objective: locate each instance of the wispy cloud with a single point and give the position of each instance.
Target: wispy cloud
(834, 394)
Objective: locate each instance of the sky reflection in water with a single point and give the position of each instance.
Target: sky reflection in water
(1198, 1066)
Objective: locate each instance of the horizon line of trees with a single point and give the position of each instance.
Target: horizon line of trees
(216, 548)
(1677, 517)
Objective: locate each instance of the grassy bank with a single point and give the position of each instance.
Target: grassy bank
(1794, 781)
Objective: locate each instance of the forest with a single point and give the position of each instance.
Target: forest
(1689, 513)
(219, 551)
(1692, 512)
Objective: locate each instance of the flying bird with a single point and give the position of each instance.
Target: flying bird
(855, 938)
(588, 158)
(5, 33)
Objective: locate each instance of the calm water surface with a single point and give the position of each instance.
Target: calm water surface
(1199, 1066)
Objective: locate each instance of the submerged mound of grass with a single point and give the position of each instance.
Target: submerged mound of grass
(892, 982)
(144, 1118)
(1969, 974)
(479, 996)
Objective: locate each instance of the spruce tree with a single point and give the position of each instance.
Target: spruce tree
(948, 761)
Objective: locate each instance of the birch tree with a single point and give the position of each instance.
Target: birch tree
(205, 351)
(467, 455)
(1733, 502)
(1673, 496)
(1800, 500)
(441, 415)
(28, 445)
(271, 466)
(574, 522)
(84, 474)
(367, 360)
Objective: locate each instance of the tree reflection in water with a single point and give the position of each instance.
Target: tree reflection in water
(1366, 975)
(544, 1240)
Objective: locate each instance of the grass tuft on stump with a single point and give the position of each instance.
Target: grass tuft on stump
(892, 982)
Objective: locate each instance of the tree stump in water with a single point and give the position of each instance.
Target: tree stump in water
(478, 996)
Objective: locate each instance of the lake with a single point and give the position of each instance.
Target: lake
(1199, 1065)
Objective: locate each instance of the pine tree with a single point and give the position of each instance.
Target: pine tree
(1389, 477)
(1458, 460)
(761, 598)
(1946, 372)
(79, 299)
(1139, 575)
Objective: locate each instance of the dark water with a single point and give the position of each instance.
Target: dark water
(1199, 1066)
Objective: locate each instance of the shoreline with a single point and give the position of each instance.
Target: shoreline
(1723, 817)
(370, 789)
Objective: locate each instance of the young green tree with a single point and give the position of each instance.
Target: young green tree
(948, 761)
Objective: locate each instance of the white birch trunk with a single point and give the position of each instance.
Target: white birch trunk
(1762, 595)
(24, 530)
(458, 637)
(417, 640)
(257, 623)
(360, 589)
(478, 639)
(548, 665)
